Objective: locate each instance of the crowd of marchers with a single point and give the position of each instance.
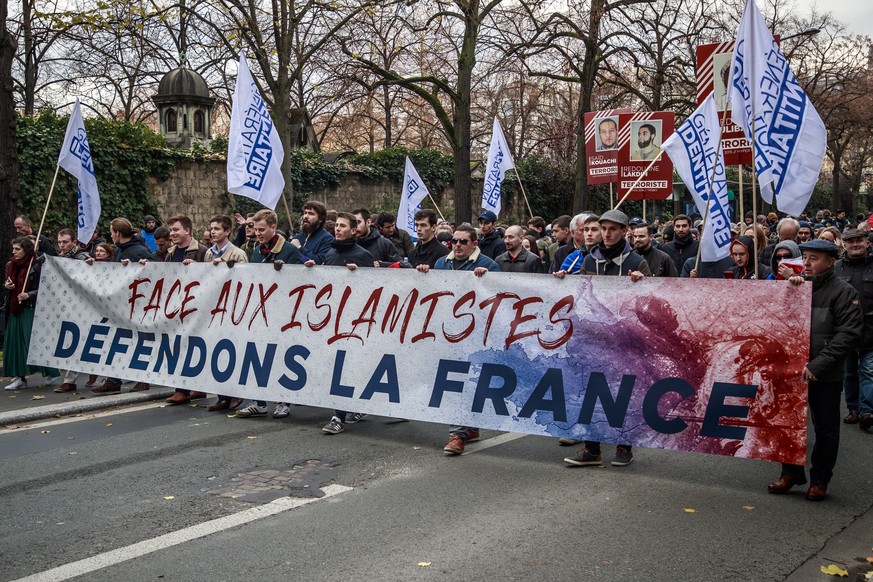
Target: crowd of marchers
(823, 250)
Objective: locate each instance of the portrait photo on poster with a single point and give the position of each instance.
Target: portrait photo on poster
(648, 140)
(607, 133)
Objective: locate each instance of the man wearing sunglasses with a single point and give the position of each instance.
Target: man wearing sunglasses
(465, 256)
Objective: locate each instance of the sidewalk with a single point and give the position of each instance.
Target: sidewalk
(39, 401)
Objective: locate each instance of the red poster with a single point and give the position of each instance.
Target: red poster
(640, 136)
(601, 145)
(713, 70)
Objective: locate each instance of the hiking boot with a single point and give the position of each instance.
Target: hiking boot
(335, 426)
(583, 459)
(623, 457)
(108, 387)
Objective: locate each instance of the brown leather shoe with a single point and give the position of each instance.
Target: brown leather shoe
(108, 387)
(66, 387)
(92, 379)
(195, 395)
(784, 483)
(220, 405)
(178, 398)
(455, 446)
(816, 492)
(852, 417)
(235, 403)
(140, 387)
(866, 420)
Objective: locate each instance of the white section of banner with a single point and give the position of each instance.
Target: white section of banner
(499, 160)
(254, 150)
(75, 158)
(697, 157)
(414, 191)
(789, 137)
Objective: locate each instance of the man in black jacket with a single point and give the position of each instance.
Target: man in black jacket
(383, 250)
(428, 250)
(683, 246)
(490, 240)
(857, 270)
(834, 333)
(517, 259)
(660, 263)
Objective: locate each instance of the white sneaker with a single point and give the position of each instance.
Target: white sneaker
(282, 410)
(253, 410)
(335, 426)
(16, 384)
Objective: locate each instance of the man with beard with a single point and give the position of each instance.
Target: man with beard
(835, 331)
(428, 250)
(383, 250)
(490, 241)
(402, 240)
(148, 232)
(345, 252)
(312, 240)
(857, 270)
(659, 262)
(612, 257)
(517, 259)
(608, 131)
(647, 150)
(683, 246)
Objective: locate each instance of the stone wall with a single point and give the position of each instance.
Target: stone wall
(199, 190)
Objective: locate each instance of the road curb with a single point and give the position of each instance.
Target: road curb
(80, 406)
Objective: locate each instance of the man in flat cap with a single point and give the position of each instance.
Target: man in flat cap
(834, 333)
(857, 270)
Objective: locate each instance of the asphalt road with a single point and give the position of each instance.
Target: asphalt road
(178, 493)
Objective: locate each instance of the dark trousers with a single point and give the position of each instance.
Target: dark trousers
(593, 447)
(824, 408)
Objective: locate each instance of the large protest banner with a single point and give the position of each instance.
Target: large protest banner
(666, 363)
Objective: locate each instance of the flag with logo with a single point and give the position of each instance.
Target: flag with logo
(769, 104)
(254, 151)
(75, 158)
(499, 160)
(414, 191)
(697, 157)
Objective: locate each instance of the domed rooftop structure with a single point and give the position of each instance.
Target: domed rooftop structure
(184, 108)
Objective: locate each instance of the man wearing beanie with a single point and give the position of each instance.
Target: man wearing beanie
(148, 232)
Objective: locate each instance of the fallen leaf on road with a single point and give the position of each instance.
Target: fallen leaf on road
(12, 396)
(193, 405)
(251, 437)
(749, 507)
(71, 438)
(424, 564)
(72, 453)
(870, 559)
(38, 397)
(689, 510)
(109, 424)
(169, 497)
(868, 576)
(834, 570)
(416, 448)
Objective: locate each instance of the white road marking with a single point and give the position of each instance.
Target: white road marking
(187, 534)
(80, 417)
(493, 442)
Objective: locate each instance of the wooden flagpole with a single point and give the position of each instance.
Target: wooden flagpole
(640, 179)
(41, 224)
(529, 211)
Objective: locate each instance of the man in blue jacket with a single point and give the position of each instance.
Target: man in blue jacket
(465, 256)
(312, 240)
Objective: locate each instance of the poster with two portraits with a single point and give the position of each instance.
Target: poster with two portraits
(620, 146)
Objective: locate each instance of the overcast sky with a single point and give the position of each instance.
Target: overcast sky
(857, 15)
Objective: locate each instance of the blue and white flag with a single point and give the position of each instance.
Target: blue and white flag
(697, 157)
(499, 160)
(254, 151)
(414, 191)
(769, 104)
(76, 159)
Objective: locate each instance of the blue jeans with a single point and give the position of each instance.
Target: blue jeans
(858, 383)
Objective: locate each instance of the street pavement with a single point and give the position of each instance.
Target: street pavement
(142, 491)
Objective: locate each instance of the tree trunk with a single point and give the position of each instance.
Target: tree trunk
(590, 65)
(386, 95)
(461, 117)
(8, 152)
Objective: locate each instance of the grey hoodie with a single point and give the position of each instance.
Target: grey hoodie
(786, 244)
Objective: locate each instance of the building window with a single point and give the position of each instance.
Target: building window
(198, 122)
(171, 122)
